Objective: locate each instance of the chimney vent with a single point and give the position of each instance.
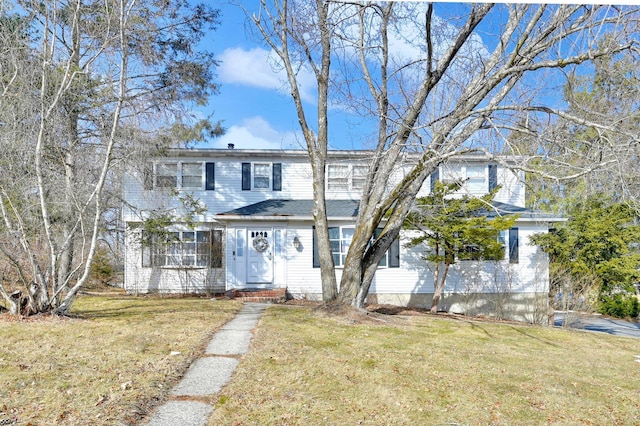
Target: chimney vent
(231, 146)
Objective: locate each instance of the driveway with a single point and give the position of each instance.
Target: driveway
(600, 324)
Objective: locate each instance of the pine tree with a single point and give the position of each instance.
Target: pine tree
(600, 240)
(455, 228)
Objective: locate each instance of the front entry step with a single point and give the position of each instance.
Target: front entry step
(259, 295)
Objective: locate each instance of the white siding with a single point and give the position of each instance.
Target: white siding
(296, 184)
(412, 283)
(227, 195)
(139, 279)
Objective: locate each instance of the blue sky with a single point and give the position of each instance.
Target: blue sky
(254, 101)
(256, 111)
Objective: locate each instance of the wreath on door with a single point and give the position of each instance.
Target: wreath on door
(260, 243)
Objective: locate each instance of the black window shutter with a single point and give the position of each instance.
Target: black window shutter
(435, 176)
(394, 254)
(513, 245)
(216, 248)
(246, 176)
(277, 176)
(210, 177)
(316, 255)
(493, 176)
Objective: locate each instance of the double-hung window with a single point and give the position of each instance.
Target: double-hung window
(477, 178)
(476, 181)
(338, 178)
(183, 249)
(346, 177)
(358, 177)
(194, 175)
(261, 176)
(166, 175)
(508, 239)
(340, 238)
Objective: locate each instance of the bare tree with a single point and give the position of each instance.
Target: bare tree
(601, 129)
(292, 47)
(462, 85)
(96, 72)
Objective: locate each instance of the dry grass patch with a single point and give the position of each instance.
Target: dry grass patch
(111, 362)
(308, 367)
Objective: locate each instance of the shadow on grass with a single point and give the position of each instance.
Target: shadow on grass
(132, 307)
(403, 310)
(475, 325)
(524, 333)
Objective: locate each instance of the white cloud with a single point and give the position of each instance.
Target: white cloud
(257, 133)
(260, 68)
(250, 67)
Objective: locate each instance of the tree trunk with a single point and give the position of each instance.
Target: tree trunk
(550, 304)
(372, 258)
(437, 291)
(67, 248)
(13, 307)
(351, 281)
(66, 257)
(327, 267)
(363, 257)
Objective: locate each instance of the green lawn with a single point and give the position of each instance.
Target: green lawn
(106, 367)
(307, 368)
(122, 355)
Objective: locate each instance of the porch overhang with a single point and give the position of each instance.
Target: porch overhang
(291, 210)
(347, 210)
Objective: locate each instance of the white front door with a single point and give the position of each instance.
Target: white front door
(260, 259)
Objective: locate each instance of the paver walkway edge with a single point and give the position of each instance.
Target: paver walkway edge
(208, 374)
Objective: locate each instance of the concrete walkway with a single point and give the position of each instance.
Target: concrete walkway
(207, 375)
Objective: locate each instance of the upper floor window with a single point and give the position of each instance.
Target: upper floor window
(192, 175)
(346, 177)
(166, 175)
(477, 179)
(180, 175)
(262, 176)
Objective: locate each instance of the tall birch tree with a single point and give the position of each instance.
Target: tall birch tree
(83, 80)
(434, 81)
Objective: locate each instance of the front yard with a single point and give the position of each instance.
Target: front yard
(121, 355)
(107, 366)
(309, 368)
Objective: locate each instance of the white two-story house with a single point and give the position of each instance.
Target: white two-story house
(253, 228)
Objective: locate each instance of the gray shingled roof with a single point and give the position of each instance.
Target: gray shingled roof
(335, 208)
(522, 212)
(349, 208)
